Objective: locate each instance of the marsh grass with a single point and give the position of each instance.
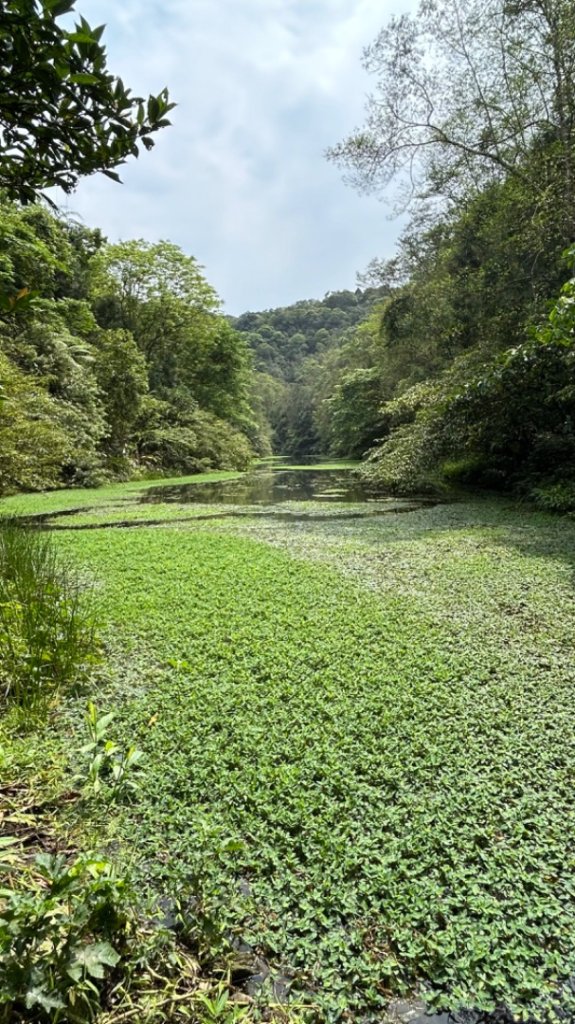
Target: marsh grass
(47, 632)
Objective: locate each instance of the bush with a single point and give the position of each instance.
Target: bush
(406, 460)
(205, 442)
(63, 930)
(474, 471)
(47, 635)
(555, 497)
(468, 470)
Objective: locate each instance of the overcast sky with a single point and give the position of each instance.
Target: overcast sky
(240, 180)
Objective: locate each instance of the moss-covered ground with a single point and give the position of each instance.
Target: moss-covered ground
(358, 736)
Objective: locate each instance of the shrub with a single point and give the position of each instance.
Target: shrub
(469, 470)
(555, 497)
(63, 930)
(47, 634)
(406, 460)
(473, 471)
(205, 442)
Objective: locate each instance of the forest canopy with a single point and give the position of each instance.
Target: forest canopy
(119, 361)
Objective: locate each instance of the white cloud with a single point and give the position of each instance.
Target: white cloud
(240, 181)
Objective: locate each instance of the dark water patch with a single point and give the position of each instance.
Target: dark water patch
(271, 491)
(285, 516)
(44, 517)
(268, 486)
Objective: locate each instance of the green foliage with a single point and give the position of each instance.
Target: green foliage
(479, 102)
(33, 444)
(472, 470)
(47, 635)
(218, 1007)
(517, 413)
(464, 92)
(139, 271)
(62, 114)
(505, 409)
(110, 765)
(112, 359)
(184, 439)
(282, 339)
(293, 350)
(63, 931)
(405, 461)
(120, 371)
(352, 411)
(558, 497)
(35, 251)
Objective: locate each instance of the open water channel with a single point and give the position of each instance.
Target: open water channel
(278, 489)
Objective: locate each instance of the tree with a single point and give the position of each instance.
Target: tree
(160, 295)
(138, 273)
(33, 443)
(353, 413)
(121, 374)
(468, 90)
(34, 250)
(62, 114)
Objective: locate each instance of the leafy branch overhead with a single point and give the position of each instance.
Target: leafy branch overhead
(68, 116)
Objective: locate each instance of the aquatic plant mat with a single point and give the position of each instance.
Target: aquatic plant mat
(359, 743)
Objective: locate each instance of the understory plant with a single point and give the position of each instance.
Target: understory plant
(110, 765)
(48, 639)
(63, 930)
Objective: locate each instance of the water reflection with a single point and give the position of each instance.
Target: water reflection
(268, 486)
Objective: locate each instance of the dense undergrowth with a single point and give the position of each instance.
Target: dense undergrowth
(356, 752)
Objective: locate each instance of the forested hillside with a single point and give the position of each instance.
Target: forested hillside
(299, 353)
(115, 360)
(443, 368)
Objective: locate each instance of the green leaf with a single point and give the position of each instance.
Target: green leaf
(84, 79)
(93, 960)
(58, 7)
(9, 841)
(36, 996)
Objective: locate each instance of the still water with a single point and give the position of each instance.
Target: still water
(268, 486)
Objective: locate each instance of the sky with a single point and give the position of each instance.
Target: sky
(240, 180)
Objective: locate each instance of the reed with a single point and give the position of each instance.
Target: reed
(47, 632)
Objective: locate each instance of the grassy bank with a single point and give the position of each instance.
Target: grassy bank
(358, 743)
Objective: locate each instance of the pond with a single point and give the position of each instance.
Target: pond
(278, 484)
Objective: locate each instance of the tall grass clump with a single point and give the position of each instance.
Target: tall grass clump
(47, 632)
